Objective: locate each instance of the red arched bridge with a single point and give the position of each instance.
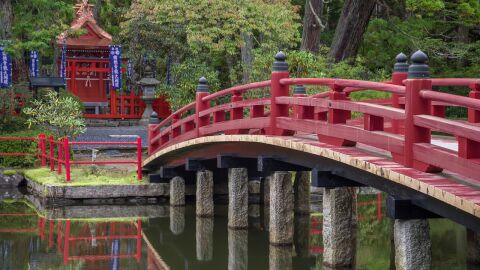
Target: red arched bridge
(403, 145)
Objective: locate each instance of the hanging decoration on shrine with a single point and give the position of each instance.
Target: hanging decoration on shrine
(34, 63)
(129, 70)
(116, 66)
(63, 63)
(5, 69)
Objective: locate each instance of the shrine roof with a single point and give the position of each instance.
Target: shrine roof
(95, 36)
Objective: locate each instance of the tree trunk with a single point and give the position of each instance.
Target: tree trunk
(350, 29)
(312, 26)
(247, 58)
(96, 10)
(6, 19)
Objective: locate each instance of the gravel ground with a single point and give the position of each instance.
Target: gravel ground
(112, 134)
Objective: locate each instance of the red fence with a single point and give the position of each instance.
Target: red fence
(62, 150)
(327, 115)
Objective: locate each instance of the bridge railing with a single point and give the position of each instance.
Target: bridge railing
(403, 127)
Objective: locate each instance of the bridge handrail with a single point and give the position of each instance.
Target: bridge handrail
(405, 133)
(240, 89)
(455, 81)
(391, 88)
(452, 100)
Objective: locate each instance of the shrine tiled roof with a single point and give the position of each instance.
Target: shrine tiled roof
(95, 36)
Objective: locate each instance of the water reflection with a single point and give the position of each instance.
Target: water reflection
(180, 240)
(63, 244)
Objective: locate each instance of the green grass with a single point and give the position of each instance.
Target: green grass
(9, 172)
(81, 177)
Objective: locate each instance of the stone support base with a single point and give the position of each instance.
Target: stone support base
(281, 209)
(301, 187)
(412, 245)
(339, 227)
(237, 198)
(204, 194)
(280, 257)
(177, 219)
(177, 191)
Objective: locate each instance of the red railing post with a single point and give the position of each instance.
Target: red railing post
(153, 131)
(52, 151)
(299, 111)
(279, 71)
(60, 156)
(468, 148)
(42, 149)
(336, 116)
(400, 72)
(177, 130)
(139, 158)
(66, 153)
(200, 105)
(474, 115)
(418, 80)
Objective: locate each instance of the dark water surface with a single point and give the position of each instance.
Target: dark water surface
(179, 240)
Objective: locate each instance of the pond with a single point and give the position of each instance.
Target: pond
(176, 239)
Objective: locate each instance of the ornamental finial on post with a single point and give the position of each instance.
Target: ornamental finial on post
(280, 64)
(418, 69)
(299, 90)
(154, 119)
(202, 85)
(401, 64)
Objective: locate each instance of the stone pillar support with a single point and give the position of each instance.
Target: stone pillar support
(412, 244)
(266, 189)
(177, 191)
(301, 187)
(473, 248)
(339, 227)
(204, 194)
(281, 209)
(237, 198)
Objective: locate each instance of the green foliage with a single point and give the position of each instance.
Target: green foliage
(19, 146)
(185, 77)
(62, 113)
(210, 31)
(37, 23)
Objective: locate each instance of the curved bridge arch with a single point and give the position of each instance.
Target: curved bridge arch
(390, 145)
(433, 192)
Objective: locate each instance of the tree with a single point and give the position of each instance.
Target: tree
(350, 29)
(6, 19)
(312, 26)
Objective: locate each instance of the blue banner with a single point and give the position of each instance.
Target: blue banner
(34, 64)
(129, 70)
(5, 69)
(63, 63)
(116, 66)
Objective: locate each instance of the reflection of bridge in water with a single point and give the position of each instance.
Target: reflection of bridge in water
(118, 244)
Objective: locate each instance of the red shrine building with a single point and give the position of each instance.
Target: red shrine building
(88, 72)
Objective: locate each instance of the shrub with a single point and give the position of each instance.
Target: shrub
(63, 114)
(30, 147)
